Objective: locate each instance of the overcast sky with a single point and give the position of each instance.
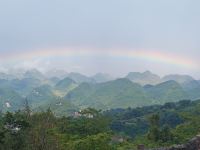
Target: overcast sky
(170, 27)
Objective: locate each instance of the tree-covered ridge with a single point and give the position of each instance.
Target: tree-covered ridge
(123, 93)
(90, 129)
(23, 130)
(101, 91)
(158, 125)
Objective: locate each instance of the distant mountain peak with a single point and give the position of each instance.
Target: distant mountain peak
(144, 78)
(33, 73)
(102, 77)
(147, 72)
(79, 78)
(65, 82)
(59, 73)
(178, 78)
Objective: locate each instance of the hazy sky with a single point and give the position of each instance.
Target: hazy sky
(112, 36)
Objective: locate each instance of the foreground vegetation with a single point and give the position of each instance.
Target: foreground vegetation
(119, 129)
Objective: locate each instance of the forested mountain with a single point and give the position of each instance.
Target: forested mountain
(192, 88)
(168, 91)
(123, 93)
(112, 94)
(64, 86)
(180, 122)
(40, 96)
(24, 86)
(10, 100)
(65, 83)
(99, 91)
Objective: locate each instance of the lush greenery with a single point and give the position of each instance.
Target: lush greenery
(122, 93)
(43, 131)
(74, 91)
(155, 117)
(157, 125)
(117, 129)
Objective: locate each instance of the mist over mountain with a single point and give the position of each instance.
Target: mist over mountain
(102, 77)
(56, 73)
(178, 78)
(79, 78)
(98, 91)
(144, 78)
(34, 73)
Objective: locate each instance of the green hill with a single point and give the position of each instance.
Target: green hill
(10, 100)
(40, 96)
(169, 91)
(64, 86)
(83, 91)
(192, 88)
(25, 85)
(59, 106)
(123, 93)
(182, 117)
(112, 94)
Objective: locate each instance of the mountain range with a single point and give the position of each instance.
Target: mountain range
(72, 91)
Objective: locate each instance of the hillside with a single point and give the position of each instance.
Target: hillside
(40, 96)
(112, 94)
(123, 93)
(192, 88)
(168, 91)
(64, 86)
(10, 100)
(182, 118)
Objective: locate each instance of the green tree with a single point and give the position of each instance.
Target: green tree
(14, 131)
(100, 141)
(166, 134)
(154, 131)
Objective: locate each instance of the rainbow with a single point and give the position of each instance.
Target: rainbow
(146, 55)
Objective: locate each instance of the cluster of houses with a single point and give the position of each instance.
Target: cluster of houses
(79, 113)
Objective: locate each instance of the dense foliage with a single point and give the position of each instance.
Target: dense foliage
(154, 126)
